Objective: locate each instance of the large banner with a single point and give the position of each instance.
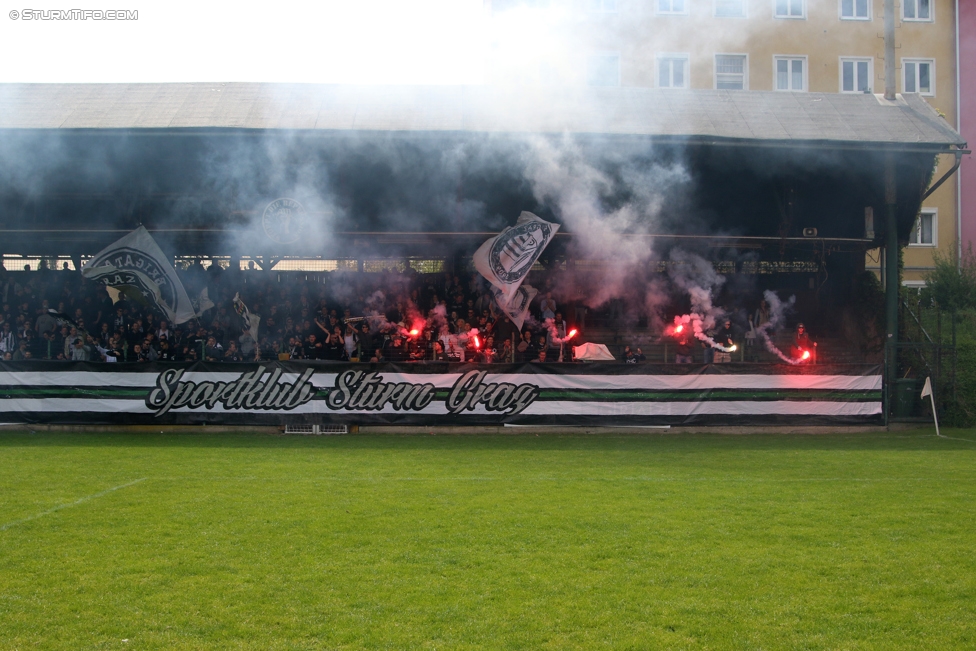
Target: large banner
(437, 393)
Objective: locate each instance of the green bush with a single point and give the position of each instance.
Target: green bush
(962, 412)
(952, 284)
(951, 287)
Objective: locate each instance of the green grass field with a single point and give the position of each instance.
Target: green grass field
(864, 541)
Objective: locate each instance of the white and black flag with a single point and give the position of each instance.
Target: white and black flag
(137, 266)
(250, 321)
(506, 259)
(516, 307)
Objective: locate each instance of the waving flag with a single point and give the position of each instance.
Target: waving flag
(137, 266)
(251, 321)
(516, 307)
(506, 259)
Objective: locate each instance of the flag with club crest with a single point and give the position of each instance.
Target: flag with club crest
(136, 266)
(506, 259)
(516, 306)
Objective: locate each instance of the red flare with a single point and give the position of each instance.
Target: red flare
(679, 328)
(806, 355)
(572, 333)
(477, 343)
(414, 332)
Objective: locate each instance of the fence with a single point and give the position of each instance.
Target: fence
(927, 350)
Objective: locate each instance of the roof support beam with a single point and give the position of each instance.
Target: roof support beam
(959, 153)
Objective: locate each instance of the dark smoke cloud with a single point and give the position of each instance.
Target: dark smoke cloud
(613, 197)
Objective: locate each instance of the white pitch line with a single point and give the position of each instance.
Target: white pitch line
(75, 503)
(953, 438)
(716, 480)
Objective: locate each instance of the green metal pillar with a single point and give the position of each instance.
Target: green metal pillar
(892, 280)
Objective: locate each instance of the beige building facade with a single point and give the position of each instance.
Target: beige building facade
(823, 46)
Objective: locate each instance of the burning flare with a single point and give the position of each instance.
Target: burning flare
(698, 324)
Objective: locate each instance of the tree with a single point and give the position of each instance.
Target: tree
(952, 284)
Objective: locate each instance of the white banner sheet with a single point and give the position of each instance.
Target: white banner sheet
(276, 392)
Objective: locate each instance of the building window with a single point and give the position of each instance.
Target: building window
(855, 9)
(789, 8)
(602, 6)
(671, 7)
(855, 75)
(925, 231)
(730, 8)
(731, 72)
(672, 71)
(916, 10)
(603, 70)
(919, 76)
(791, 73)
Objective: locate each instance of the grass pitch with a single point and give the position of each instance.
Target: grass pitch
(511, 542)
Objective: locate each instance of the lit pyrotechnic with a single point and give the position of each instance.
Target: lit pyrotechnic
(698, 324)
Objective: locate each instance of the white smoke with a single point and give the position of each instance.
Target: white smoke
(777, 312)
(697, 277)
(610, 214)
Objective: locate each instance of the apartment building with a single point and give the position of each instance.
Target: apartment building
(824, 46)
(967, 120)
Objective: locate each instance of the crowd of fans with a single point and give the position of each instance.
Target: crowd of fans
(390, 316)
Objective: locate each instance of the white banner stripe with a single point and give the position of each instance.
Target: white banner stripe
(644, 382)
(709, 382)
(76, 379)
(716, 407)
(81, 406)
(697, 382)
(123, 380)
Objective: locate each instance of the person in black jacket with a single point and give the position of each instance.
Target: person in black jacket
(166, 353)
(725, 337)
